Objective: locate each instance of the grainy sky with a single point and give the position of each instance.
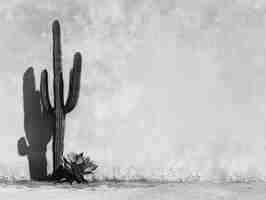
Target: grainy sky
(170, 89)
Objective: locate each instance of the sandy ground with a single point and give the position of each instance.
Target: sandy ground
(138, 191)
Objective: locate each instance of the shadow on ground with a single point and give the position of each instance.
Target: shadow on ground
(37, 127)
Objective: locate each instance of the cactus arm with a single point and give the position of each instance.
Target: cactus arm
(45, 91)
(74, 84)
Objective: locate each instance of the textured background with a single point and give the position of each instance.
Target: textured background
(170, 89)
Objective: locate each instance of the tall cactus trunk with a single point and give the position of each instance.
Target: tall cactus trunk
(60, 108)
(58, 138)
(59, 129)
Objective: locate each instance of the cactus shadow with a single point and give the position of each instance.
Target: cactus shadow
(37, 127)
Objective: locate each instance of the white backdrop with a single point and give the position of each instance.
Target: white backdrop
(170, 89)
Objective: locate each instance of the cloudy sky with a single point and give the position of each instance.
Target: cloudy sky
(170, 88)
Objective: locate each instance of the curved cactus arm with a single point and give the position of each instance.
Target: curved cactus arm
(74, 84)
(45, 91)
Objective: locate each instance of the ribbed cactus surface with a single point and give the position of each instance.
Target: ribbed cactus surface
(60, 107)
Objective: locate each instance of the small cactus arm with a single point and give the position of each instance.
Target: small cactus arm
(60, 108)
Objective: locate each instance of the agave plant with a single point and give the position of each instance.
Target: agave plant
(74, 167)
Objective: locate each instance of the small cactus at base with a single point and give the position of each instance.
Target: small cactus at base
(60, 108)
(74, 167)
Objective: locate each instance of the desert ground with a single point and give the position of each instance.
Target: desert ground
(134, 190)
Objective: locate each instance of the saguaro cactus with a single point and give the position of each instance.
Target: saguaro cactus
(60, 108)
